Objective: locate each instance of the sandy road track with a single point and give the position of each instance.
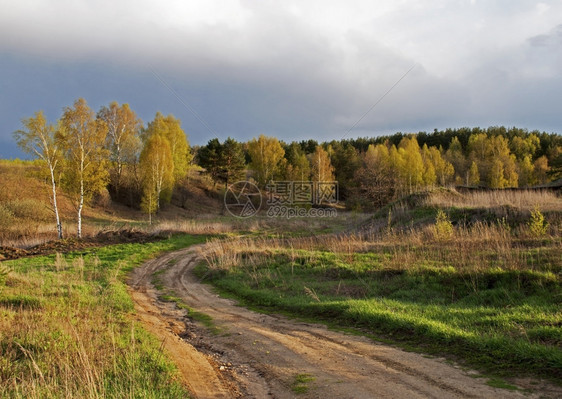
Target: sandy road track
(260, 356)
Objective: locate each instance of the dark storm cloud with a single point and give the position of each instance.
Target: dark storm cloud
(292, 69)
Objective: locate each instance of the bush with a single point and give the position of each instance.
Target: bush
(6, 217)
(537, 225)
(443, 228)
(30, 209)
(102, 199)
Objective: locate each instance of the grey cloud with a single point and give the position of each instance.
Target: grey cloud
(553, 39)
(271, 69)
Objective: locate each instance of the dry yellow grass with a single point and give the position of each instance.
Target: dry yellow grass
(468, 247)
(519, 199)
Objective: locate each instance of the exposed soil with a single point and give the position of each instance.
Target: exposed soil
(103, 238)
(260, 356)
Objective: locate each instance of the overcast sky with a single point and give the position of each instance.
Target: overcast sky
(292, 69)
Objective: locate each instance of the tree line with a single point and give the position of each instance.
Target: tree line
(373, 171)
(85, 152)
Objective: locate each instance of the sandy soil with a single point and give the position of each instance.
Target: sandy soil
(260, 356)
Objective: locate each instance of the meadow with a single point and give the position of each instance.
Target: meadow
(473, 276)
(485, 291)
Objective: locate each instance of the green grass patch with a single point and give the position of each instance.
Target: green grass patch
(203, 318)
(193, 314)
(66, 330)
(20, 302)
(500, 383)
(300, 383)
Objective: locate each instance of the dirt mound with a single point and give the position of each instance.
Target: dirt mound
(106, 237)
(123, 236)
(12, 253)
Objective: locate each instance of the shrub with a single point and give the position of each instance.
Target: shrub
(443, 228)
(537, 225)
(30, 209)
(6, 217)
(102, 199)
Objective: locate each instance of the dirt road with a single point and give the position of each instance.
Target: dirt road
(261, 356)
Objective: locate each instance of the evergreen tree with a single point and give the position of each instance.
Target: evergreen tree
(346, 162)
(209, 158)
(298, 166)
(231, 162)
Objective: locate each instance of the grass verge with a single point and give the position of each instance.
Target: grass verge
(66, 330)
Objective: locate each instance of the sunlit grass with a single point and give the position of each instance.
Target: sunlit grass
(484, 294)
(66, 330)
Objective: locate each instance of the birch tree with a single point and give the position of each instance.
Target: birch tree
(157, 170)
(38, 139)
(122, 141)
(411, 165)
(321, 166)
(266, 154)
(473, 175)
(375, 178)
(169, 127)
(82, 137)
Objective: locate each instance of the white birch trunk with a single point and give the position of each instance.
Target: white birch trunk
(80, 205)
(55, 206)
(81, 201)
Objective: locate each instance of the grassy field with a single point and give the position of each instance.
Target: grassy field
(66, 328)
(479, 282)
(488, 293)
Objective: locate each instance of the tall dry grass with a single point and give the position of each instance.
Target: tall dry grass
(524, 200)
(471, 248)
(202, 226)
